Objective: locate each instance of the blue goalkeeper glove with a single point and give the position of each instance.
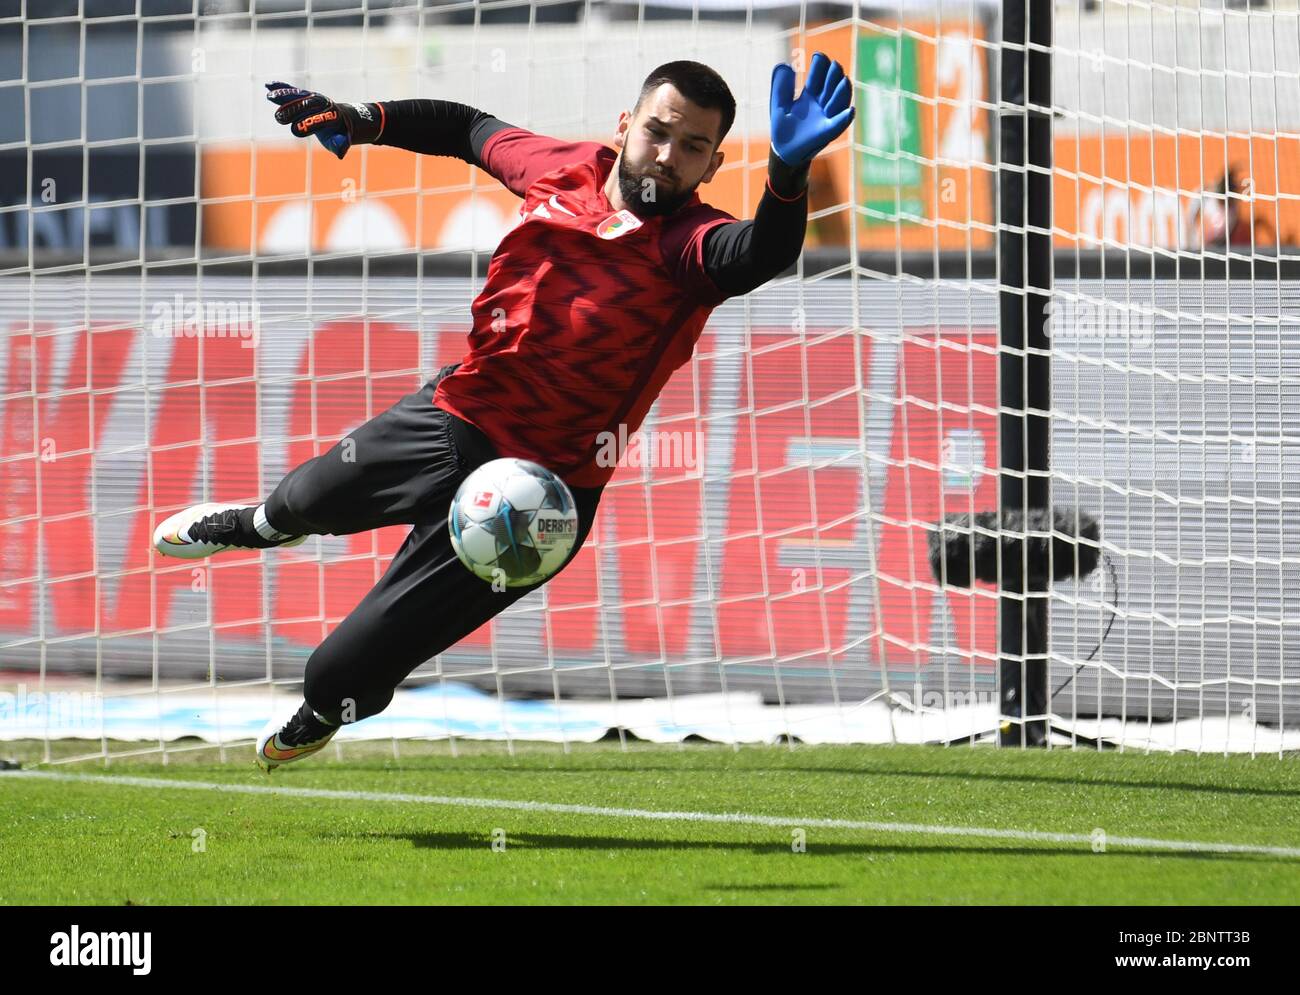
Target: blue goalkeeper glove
(802, 128)
(336, 126)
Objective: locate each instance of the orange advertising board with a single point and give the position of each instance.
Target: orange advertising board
(284, 197)
(1146, 190)
(922, 173)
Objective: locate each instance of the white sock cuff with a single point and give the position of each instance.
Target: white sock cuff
(263, 527)
(320, 717)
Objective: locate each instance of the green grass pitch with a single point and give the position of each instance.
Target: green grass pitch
(90, 843)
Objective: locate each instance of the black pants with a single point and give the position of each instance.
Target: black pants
(400, 468)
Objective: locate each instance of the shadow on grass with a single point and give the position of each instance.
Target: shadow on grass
(771, 887)
(549, 841)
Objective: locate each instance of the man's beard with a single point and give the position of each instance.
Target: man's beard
(637, 195)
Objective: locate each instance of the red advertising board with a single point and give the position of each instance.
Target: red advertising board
(797, 542)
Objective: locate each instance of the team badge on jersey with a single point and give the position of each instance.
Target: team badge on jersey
(618, 224)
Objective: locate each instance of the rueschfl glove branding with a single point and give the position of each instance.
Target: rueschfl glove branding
(336, 126)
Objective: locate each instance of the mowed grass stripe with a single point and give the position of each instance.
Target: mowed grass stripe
(726, 818)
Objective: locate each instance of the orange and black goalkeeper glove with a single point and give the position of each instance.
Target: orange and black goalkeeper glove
(336, 126)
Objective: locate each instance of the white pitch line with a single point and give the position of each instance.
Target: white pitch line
(604, 811)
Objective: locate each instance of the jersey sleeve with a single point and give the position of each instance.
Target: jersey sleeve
(683, 250)
(517, 157)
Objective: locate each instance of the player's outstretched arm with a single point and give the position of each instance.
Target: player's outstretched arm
(742, 256)
(429, 127)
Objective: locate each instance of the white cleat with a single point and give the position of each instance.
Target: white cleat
(205, 529)
(283, 742)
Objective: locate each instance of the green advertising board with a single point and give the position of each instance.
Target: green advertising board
(889, 129)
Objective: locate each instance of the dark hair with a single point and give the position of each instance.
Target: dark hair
(697, 83)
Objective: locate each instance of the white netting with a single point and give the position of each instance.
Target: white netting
(773, 578)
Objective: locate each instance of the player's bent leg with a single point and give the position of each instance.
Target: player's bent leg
(425, 603)
(382, 473)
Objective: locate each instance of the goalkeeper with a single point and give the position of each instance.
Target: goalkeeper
(590, 303)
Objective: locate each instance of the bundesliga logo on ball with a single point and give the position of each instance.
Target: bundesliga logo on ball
(514, 521)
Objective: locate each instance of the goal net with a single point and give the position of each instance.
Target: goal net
(193, 304)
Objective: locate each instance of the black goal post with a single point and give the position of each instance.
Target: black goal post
(1024, 273)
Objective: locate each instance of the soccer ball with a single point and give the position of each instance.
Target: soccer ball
(513, 521)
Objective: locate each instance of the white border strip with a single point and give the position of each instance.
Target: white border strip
(728, 818)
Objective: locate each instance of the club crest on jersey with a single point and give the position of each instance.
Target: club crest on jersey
(618, 224)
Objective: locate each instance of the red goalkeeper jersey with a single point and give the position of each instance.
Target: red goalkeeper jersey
(585, 314)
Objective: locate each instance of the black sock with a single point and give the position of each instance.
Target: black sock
(245, 517)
